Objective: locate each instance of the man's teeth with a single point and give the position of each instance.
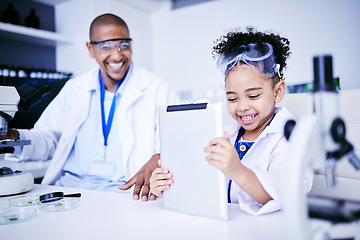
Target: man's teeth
(247, 117)
(116, 65)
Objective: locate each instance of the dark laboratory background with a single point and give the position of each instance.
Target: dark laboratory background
(28, 63)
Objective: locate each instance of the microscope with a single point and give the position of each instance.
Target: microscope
(318, 141)
(11, 182)
(9, 100)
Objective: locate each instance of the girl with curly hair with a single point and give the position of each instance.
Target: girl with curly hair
(252, 153)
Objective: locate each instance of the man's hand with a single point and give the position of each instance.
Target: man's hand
(11, 134)
(142, 180)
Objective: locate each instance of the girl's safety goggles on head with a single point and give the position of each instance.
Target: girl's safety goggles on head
(107, 46)
(263, 61)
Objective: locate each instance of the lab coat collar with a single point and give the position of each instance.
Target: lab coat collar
(282, 115)
(137, 83)
(135, 86)
(95, 85)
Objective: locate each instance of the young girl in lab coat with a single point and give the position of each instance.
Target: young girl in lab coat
(251, 153)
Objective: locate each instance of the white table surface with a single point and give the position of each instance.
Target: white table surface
(109, 215)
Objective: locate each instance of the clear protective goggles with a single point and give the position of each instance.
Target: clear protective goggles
(107, 46)
(263, 61)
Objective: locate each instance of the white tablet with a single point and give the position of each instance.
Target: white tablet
(199, 188)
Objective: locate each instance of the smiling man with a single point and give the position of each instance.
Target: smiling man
(108, 33)
(101, 131)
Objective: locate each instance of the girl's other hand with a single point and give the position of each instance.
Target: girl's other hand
(160, 180)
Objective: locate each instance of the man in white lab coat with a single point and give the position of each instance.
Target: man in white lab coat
(102, 128)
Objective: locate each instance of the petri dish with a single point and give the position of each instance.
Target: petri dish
(60, 205)
(24, 201)
(4, 206)
(17, 215)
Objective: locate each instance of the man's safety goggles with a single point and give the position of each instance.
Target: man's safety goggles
(107, 46)
(262, 59)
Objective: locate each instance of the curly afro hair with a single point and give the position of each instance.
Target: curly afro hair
(226, 44)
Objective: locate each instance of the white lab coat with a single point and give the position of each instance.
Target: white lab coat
(54, 133)
(266, 158)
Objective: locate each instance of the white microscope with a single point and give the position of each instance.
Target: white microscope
(317, 141)
(11, 182)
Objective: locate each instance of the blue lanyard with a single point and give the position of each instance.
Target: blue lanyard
(240, 133)
(106, 126)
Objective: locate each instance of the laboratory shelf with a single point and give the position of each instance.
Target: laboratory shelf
(31, 35)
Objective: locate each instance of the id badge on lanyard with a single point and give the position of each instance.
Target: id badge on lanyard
(101, 167)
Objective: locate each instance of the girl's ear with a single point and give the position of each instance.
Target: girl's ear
(280, 90)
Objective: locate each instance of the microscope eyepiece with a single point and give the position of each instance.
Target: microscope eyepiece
(323, 73)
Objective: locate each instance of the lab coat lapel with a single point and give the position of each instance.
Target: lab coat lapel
(68, 137)
(277, 126)
(275, 131)
(133, 91)
(84, 96)
(77, 117)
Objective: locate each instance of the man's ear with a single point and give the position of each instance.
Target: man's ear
(280, 90)
(91, 49)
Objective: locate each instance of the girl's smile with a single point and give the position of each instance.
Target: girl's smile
(251, 98)
(247, 119)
